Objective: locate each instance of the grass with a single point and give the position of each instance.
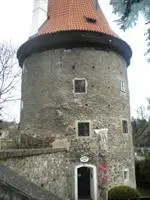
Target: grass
(144, 192)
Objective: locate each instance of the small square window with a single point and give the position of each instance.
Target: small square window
(123, 88)
(79, 85)
(124, 126)
(83, 128)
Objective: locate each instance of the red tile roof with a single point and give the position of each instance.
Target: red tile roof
(68, 15)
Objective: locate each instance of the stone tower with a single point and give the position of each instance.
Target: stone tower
(75, 99)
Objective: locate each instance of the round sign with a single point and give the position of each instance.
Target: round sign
(84, 159)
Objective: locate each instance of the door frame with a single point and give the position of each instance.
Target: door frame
(93, 168)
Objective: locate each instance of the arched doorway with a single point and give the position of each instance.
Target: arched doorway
(85, 182)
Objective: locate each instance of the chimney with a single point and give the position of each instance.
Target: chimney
(40, 8)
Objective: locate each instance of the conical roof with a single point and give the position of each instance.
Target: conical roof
(72, 24)
(68, 15)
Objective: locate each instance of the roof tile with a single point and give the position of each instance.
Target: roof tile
(68, 15)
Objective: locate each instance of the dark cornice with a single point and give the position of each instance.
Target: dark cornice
(73, 39)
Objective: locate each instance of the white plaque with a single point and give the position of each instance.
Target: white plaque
(102, 133)
(84, 159)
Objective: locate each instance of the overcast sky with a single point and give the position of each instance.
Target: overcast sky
(15, 23)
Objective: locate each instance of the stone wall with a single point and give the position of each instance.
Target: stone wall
(9, 194)
(15, 187)
(55, 172)
(47, 171)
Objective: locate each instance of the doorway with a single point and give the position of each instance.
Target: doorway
(85, 182)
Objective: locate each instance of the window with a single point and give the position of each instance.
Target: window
(90, 20)
(124, 126)
(125, 174)
(79, 85)
(123, 88)
(83, 128)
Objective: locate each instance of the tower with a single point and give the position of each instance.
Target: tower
(39, 14)
(75, 97)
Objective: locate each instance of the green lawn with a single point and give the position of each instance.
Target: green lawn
(144, 192)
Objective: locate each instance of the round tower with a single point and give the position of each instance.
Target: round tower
(75, 95)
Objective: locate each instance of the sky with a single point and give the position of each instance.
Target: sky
(15, 23)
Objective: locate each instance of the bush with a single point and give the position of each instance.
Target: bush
(122, 192)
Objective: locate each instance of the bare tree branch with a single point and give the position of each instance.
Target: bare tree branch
(10, 75)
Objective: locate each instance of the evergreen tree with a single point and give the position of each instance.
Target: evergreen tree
(128, 12)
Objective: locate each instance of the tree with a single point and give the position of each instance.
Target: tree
(128, 12)
(10, 75)
(143, 113)
(141, 126)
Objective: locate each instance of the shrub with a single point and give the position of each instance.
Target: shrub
(122, 192)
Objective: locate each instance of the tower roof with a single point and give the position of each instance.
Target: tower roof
(74, 23)
(68, 15)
